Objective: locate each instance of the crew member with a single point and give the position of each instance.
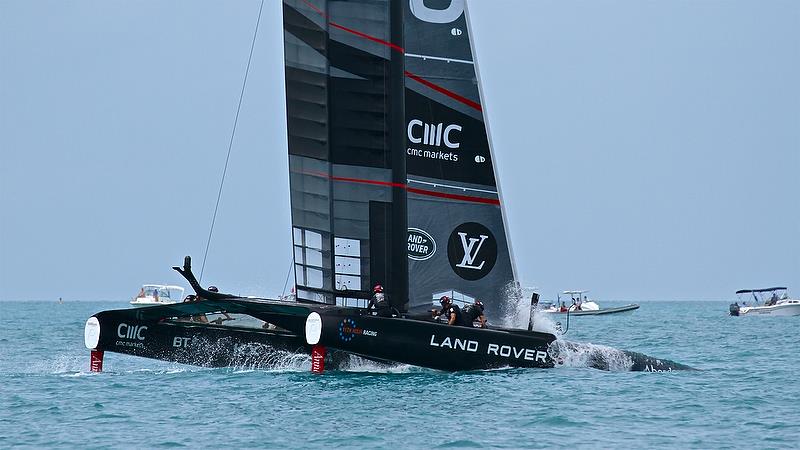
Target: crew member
(451, 311)
(379, 302)
(202, 317)
(474, 312)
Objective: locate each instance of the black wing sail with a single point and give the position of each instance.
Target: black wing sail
(338, 60)
(349, 192)
(457, 241)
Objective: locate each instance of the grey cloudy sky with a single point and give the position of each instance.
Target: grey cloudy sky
(647, 150)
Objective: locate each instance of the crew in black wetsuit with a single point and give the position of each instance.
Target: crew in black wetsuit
(450, 311)
(474, 312)
(379, 302)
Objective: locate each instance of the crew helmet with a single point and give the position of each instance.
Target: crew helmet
(479, 305)
(377, 288)
(213, 289)
(445, 300)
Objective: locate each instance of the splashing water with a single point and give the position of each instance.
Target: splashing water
(516, 311)
(544, 322)
(514, 308)
(570, 354)
(262, 357)
(355, 363)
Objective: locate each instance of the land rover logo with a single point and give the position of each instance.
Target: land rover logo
(421, 245)
(472, 251)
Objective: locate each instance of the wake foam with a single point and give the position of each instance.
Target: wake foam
(353, 363)
(256, 356)
(572, 355)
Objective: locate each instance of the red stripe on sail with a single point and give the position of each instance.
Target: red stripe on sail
(355, 32)
(444, 91)
(366, 36)
(319, 11)
(463, 198)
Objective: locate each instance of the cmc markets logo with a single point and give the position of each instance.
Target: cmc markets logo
(421, 245)
(472, 251)
(433, 141)
(433, 134)
(125, 331)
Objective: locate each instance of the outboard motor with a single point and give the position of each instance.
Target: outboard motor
(734, 309)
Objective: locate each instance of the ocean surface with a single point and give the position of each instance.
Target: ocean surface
(745, 395)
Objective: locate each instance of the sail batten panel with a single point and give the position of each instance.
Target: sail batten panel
(337, 95)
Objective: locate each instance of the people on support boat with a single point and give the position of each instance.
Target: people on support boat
(379, 303)
(474, 312)
(772, 300)
(450, 311)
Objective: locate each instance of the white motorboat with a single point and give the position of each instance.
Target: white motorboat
(158, 294)
(773, 301)
(581, 305)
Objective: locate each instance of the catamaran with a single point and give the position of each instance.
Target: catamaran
(772, 301)
(392, 182)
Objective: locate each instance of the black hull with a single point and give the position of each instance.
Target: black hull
(160, 333)
(434, 345)
(199, 344)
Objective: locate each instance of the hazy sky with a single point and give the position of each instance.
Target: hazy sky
(646, 149)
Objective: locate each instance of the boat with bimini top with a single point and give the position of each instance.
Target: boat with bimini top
(158, 294)
(393, 184)
(772, 301)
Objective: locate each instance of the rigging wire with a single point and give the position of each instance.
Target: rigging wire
(291, 264)
(230, 143)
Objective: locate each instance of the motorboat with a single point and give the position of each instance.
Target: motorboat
(772, 301)
(581, 305)
(158, 294)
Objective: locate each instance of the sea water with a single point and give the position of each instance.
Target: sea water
(745, 395)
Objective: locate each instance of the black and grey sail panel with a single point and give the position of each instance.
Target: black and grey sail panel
(453, 200)
(338, 62)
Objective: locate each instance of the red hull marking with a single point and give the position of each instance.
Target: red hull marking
(318, 358)
(96, 361)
